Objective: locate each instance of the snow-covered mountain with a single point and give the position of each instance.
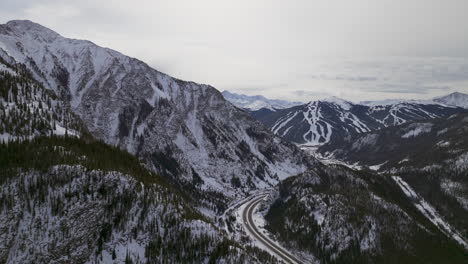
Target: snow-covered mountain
(322, 121)
(454, 99)
(256, 102)
(182, 129)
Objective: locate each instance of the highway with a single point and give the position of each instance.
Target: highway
(247, 218)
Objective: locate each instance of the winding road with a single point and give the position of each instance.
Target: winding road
(247, 218)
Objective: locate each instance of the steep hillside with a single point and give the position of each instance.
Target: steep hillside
(343, 216)
(63, 200)
(319, 122)
(181, 129)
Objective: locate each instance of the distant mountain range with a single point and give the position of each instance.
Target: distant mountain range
(322, 121)
(257, 102)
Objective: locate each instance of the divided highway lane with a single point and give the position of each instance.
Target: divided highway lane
(247, 218)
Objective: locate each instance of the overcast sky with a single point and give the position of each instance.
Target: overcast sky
(296, 49)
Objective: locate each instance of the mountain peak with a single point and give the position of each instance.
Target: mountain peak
(35, 29)
(454, 99)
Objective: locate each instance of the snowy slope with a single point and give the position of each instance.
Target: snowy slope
(256, 102)
(319, 122)
(179, 128)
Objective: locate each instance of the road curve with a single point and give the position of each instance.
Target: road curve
(250, 225)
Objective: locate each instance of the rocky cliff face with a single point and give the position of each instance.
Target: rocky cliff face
(179, 128)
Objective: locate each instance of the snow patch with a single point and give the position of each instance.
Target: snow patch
(377, 167)
(416, 129)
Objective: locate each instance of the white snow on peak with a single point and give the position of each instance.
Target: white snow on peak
(29, 27)
(454, 99)
(84, 61)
